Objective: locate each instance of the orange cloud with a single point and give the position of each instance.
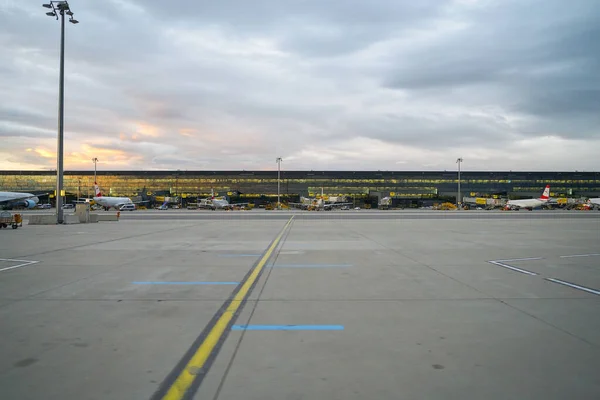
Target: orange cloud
(189, 132)
(45, 153)
(91, 151)
(147, 130)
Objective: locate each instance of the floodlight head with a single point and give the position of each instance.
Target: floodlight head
(69, 13)
(51, 14)
(73, 21)
(47, 5)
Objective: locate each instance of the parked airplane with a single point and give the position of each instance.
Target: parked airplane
(593, 203)
(595, 200)
(529, 204)
(318, 203)
(10, 200)
(214, 203)
(307, 203)
(108, 202)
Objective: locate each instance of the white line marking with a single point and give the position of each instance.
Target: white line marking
(521, 259)
(523, 271)
(581, 255)
(585, 289)
(24, 263)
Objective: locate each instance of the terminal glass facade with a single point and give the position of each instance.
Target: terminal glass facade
(352, 184)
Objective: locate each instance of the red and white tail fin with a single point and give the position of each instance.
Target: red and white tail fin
(546, 194)
(97, 189)
(212, 194)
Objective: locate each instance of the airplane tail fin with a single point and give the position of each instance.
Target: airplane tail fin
(212, 194)
(97, 189)
(546, 194)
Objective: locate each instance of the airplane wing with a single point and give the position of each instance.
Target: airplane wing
(13, 199)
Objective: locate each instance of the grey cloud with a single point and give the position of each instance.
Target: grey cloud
(312, 27)
(437, 130)
(242, 14)
(507, 52)
(19, 122)
(22, 131)
(10, 113)
(563, 102)
(544, 54)
(31, 159)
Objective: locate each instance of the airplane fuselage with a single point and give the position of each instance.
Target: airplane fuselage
(112, 201)
(526, 203)
(593, 204)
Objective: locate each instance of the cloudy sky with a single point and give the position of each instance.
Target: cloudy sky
(340, 84)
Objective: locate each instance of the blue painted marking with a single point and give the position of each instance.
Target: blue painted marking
(287, 328)
(239, 255)
(311, 265)
(185, 283)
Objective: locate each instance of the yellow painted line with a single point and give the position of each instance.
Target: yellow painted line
(189, 373)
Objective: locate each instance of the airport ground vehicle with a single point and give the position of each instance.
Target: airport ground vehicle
(6, 219)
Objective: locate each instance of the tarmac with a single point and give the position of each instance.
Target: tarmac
(303, 305)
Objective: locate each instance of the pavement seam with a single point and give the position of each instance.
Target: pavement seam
(367, 300)
(32, 296)
(364, 216)
(93, 275)
(111, 240)
(425, 265)
(243, 333)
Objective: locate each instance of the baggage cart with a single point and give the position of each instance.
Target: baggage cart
(7, 219)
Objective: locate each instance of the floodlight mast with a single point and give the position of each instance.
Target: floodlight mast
(458, 198)
(278, 160)
(60, 8)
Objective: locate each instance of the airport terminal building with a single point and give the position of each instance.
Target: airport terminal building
(362, 187)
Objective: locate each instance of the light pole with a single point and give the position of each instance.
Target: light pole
(95, 160)
(62, 8)
(458, 199)
(279, 159)
(177, 187)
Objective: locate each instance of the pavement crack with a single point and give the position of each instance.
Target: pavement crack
(425, 265)
(547, 323)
